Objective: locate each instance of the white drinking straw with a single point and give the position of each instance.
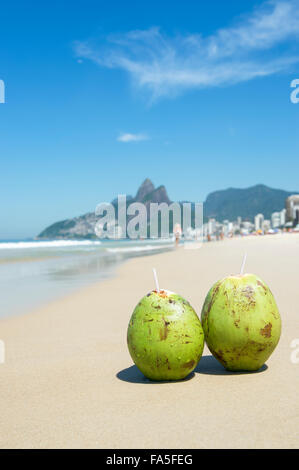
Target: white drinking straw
(243, 264)
(156, 280)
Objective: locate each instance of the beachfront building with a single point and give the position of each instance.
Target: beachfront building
(266, 225)
(275, 220)
(258, 222)
(211, 226)
(227, 228)
(230, 227)
(292, 209)
(278, 219)
(247, 227)
(283, 217)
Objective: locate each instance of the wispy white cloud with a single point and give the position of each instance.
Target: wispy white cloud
(260, 44)
(126, 137)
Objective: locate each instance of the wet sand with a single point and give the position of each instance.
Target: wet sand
(68, 379)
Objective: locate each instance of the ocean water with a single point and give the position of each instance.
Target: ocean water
(33, 273)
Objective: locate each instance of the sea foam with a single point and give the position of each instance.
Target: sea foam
(47, 244)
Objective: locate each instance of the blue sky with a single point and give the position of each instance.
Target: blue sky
(194, 95)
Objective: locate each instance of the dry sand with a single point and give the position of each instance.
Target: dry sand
(68, 379)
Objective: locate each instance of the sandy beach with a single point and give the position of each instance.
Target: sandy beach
(69, 381)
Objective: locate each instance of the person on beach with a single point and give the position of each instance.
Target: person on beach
(177, 233)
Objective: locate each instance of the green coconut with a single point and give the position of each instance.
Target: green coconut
(241, 322)
(165, 336)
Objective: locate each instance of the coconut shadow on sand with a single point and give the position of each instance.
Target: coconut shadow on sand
(207, 365)
(133, 375)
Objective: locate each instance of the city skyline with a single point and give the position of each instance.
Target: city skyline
(136, 216)
(236, 222)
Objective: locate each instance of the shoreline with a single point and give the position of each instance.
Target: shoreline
(109, 273)
(30, 283)
(68, 379)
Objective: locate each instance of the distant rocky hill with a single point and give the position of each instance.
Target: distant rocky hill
(232, 202)
(226, 204)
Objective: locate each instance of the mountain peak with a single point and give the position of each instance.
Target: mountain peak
(146, 188)
(158, 195)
